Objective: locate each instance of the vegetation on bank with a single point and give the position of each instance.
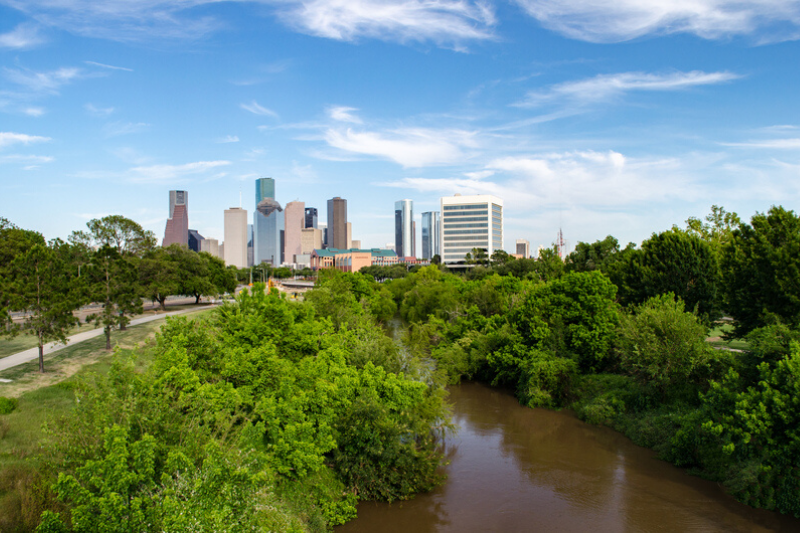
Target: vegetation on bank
(263, 415)
(619, 335)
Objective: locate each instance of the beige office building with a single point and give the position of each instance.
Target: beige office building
(211, 246)
(337, 223)
(235, 246)
(470, 222)
(310, 240)
(523, 248)
(294, 221)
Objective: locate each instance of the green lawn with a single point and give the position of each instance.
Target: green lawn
(25, 342)
(721, 329)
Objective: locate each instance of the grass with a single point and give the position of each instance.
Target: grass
(68, 361)
(722, 328)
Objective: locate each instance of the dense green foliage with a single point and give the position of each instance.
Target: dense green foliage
(264, 416)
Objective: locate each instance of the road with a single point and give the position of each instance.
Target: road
(33, 353)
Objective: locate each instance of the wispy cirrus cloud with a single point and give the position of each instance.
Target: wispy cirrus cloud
(779, 144)
(7, 138)
(42, 82)
(409, 147)
(19, 158)
(111, 67)
(608, 86)
(228, 139)
(122, 20)
(622, 20)
(172, 173)
(448, 23)
(344, 114)
(257, 109)
(115, 129)
(22, 37)
(34, 111)
(96, 111)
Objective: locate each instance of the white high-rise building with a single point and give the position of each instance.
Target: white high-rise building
(431, 235)
(235, 249)
(404, 228)
(470, 222)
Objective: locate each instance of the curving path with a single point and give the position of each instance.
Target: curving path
(33, 353)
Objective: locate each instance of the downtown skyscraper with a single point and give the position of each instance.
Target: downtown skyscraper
(177, 229)
(267, 229)
(337, 223)
(404, 244)
(431, 235)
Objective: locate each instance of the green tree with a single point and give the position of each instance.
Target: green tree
(13, 242)
(676, 262)
(761, 271)
(662, 344)
(127, 236)
(593, 256)
(548, 266)
(113, 281)
(717, 230)
(159, 276)
(42, 286)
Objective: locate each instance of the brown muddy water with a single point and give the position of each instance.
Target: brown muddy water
(518, 469)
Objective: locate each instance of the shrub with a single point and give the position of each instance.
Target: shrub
(7, 405)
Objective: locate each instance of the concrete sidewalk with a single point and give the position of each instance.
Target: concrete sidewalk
(33, 353)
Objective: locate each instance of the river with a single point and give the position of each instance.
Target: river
(518, 469)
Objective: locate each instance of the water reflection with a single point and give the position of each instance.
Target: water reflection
(519, 469)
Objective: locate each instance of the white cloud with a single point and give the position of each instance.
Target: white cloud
(8, 138)
(781, 144)
(47, 82)
(587, 179)
(19, 158)
(121, 20)
(171, 173)
(23, 36)
(444, 22)
(33, 111)
(112, 67)
(622, 20)
(98, 111)
(409, 147)
(228, 139)
(115, 129)
(344, 114)
(607, 86)
(257, 109)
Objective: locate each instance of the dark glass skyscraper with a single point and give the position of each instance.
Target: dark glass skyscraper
(404, 228)
(311, 217)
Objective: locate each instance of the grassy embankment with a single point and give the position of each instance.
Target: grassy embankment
(46, 397)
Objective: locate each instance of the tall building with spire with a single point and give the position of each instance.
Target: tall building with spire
(177, 229)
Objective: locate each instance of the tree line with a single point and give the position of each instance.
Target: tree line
(114, 263)
(619, 335)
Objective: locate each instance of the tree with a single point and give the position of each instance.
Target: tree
(159, 276)
(717, 230)
(677, 262)
(594, 256)
(661, 343)
(761, 271)
(548, 265)
(42, 286)
(195, 276)
(127, 236)
(500, 257)
(114, 283)
(13, 242)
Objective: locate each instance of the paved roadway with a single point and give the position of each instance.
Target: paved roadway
(33, 353)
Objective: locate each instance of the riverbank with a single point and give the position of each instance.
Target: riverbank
(513, 468)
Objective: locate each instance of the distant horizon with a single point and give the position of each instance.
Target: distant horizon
(622, 120)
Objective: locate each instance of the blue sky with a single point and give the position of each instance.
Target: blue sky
(619, 119)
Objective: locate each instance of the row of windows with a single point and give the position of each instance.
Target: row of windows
(450, 216)
(496, 207)
(468, 245)
(483, 225)
(465, 231)
(465, 219)
(462, 207)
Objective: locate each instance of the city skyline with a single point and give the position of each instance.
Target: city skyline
(619, 119)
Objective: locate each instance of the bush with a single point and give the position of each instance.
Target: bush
(7, 405)
(545, 379)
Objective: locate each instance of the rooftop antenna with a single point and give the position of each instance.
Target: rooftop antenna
(240, 196)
